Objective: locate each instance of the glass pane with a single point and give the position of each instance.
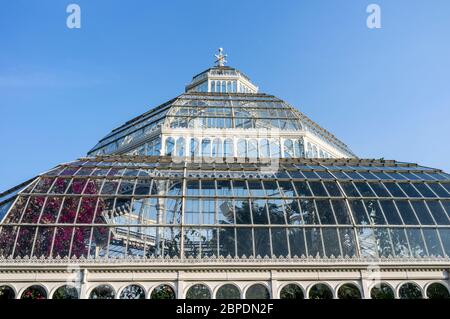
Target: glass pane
(406, 212)
(416, 242)
(252, 148)
(193, 188)
(259, 209)
(227, 242)
(257, 291)
(293, 212)
(384, 242)
(262, 242)
(170, 144)
(325, 212)
(379, 189)
(206, 147)
(400, 243)
(318, 189)
(424, 190)
(276, 212)
(208, 188)
(302, 189)
(331, 242)
(240, 189)
(349, 189)
(228, 148)
(297, 242)
(359, 212)
(348, 242)
(314, 242)
(194, 147)
(256, 189)
(409, 190)
(309, 214)
(422, 213)
(181, 147)
(242, 211)
(394, 190)
(390, 212)
(223, 188)
(375, 213)
(287, 188)
(367, 242)
(279, 242)
(332, 189)
(444, 233)
(217, 148)
(242, 148)
(432, 241)
(341, 212)
(364, 189)
(438, 212)
(244, 242)
(438, 190)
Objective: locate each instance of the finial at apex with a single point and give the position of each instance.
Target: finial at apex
(221, 58)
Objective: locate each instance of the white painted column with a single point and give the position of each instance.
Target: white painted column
(365, 283)
(83, 284)
(274, 285)
(180, 285)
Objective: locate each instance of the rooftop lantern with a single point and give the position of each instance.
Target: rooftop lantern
(221, 79)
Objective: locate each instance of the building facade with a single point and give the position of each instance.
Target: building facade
(226, 192)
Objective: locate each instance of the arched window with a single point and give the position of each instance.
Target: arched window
(6, 292)
(382, 291)
(229, 87)
(170, 143)
(181, 147)
(257, 291)
(314, 152)
(213, 86)
(34, 292)
(309, 150)
(320, 291)
(228, 148)
(291, 291)
(298, 148)
(242, 148)
(195, 147)
(234, 87)
(264, 148)
(223, 90)
(349, 291)
(206, 147)
(228, 291)
(163, 292)
(288, 149)
(102, 292)
(275, 151)
(437, 291)
(66, 292)
(217, 148)
(198, 291)
(132, 292)
(252, 148)
(410, 291)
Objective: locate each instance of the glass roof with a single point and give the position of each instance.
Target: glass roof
(216, 111)
(124, 206)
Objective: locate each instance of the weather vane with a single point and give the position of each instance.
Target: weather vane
(221, 58)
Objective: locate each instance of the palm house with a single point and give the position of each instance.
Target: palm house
(225, 192)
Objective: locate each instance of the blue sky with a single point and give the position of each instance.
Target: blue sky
(386, 92)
